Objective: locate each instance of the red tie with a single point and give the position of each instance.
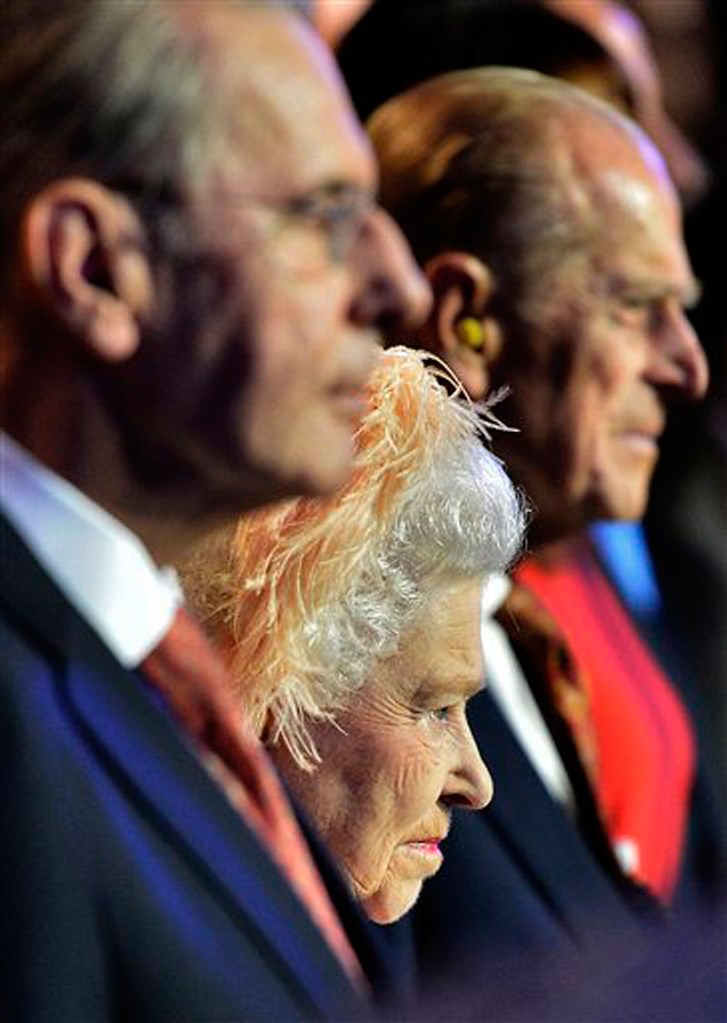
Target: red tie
(193, 680)
(533, 630)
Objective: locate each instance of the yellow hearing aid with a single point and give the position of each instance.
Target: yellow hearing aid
(471, 332)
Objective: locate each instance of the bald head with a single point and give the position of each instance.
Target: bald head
(501, 163)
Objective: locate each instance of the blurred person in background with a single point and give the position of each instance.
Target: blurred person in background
(551, 235)
(193, 275)
(635, 85)
(333, 18)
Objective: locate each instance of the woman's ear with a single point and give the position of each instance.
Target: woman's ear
(468, 338)
(83, 260)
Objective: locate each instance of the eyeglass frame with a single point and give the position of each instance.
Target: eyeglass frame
(340, 208)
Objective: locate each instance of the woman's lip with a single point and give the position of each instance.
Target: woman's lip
(426, 845)
(641, 440)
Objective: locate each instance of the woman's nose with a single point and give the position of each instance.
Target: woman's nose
(469, 785)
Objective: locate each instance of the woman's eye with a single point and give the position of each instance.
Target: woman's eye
(441, 713)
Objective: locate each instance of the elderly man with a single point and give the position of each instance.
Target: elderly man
(192, 275)
(602, 47)
(550, 232)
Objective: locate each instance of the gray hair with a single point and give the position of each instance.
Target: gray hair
(462, 521)
(116, 90)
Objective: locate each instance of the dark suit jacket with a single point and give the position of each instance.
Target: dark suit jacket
(519, 883)
(129, 888)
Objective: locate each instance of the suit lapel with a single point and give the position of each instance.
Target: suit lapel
(546, 843)
(131, 735)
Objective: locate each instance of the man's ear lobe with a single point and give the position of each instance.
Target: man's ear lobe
(467, 337)
(84, 261)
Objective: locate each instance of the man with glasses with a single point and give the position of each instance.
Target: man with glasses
(193, 273)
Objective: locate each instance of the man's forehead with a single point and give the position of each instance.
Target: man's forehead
(639, 242)
(638, 196)
(624, 175)
(288, 115)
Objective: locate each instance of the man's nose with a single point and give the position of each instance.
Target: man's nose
(469, 784)
(680, 363)
(393, 290)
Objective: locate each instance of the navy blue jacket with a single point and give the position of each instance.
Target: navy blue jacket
(129, 887)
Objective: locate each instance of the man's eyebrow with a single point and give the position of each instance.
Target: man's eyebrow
(688, 295)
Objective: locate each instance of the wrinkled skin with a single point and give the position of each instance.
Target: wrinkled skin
(401, 757)
(607, 347)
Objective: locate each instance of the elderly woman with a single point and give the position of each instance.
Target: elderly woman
(352, 630)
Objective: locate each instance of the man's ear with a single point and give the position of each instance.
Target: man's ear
(84, 260)
(467, 337)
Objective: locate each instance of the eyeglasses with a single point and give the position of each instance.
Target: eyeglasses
(336, 214)
(309, 232)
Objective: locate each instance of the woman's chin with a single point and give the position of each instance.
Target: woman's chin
(392, 901)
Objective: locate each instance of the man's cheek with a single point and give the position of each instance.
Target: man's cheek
(582, 451)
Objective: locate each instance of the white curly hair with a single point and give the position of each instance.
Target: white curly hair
(308, 596)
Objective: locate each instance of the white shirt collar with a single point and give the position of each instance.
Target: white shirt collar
(494, 593)
(512, 694)
(101, 567)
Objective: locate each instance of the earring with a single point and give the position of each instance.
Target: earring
(471, 332)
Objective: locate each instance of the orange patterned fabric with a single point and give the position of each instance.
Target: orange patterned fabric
(185, 669)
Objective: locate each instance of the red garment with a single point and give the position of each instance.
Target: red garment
(193, 680)
(646, 749)
(543, 649)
